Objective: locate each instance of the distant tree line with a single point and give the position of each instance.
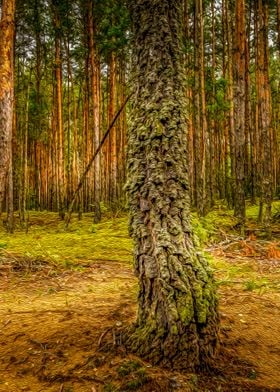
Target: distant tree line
(70, 71)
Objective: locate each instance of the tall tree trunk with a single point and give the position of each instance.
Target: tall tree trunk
(229, 29)
(112, 158)
(24, 142)
(177, 321)
(278, 25)
(200, 109)
(7, 29)
(214, 173)
(95, 86)
(202, 208)
(225, 124)
(123, 128)
(59, 110)
(264, 111)
(239, 76)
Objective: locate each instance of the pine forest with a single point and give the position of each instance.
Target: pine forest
(139, 195)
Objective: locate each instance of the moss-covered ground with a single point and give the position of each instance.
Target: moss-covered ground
(65, 295)
(81, 243)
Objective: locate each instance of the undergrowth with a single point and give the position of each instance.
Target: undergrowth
(85, 242)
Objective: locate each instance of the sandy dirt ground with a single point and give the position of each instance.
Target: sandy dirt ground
(60, 332)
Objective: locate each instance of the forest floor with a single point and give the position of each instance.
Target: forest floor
(64, 297)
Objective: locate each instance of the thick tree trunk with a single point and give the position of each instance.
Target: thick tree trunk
(177, 322)
(7, 29)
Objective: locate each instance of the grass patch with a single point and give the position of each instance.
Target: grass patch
(83, 242)
(209, 229)
(252, 211)
(258, 284)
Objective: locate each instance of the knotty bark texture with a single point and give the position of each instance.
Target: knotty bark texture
(177, 323)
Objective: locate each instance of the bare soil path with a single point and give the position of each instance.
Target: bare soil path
(58, 332)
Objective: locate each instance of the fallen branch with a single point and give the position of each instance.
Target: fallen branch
(75, 194)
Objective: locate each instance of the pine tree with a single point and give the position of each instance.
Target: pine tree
(239, 76)
(7, 29)
(177, 323)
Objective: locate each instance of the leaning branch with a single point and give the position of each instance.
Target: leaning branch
(87, 169)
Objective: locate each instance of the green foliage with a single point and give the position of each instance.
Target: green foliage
(113, 25)
(218, 106)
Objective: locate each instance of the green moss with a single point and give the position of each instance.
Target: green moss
(208, 229)
(185, 309)
(128, 367)
(133, 385)
(80, 244)
(107, 240)
(174, 330)
(251, 285)
(220, 220)
(110, 387)
(135, 375)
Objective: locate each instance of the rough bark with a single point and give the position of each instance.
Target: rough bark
(177, 323)
(6, 103)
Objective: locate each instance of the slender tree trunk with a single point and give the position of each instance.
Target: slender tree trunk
(85, 138)
(200, 109)
(230, 96)
(214, 173)
(113, 135)
(278, 25)
(95, 86)
(123, 129)
(239, 75)
(264, 111)
(7, 29)
(177, 321)
(59, 111)
(226, 123)
(204, 141)
(24, 142)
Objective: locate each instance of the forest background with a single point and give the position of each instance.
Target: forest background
(67, 119)
(72, 73)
